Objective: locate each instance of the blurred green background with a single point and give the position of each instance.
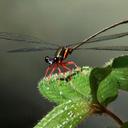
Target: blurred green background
(59, 21)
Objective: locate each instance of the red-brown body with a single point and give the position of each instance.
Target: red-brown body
(62, 53)
(58, 60)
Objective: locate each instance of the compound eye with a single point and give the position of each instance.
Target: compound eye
(47, 59)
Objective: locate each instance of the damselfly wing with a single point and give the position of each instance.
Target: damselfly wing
(62, 52)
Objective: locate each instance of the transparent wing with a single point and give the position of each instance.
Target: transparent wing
(32, 49)
(23, 38)
(112, 48)
(104, 38)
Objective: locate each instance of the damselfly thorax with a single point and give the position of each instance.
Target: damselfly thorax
(60, 55)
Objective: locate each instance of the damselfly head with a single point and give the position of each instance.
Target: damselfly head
(50, 60)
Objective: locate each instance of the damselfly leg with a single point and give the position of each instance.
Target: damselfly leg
(58, 66)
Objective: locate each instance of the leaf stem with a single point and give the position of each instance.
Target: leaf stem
(112, 115)
(98, 108)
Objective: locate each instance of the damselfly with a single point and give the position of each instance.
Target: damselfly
(62, 52)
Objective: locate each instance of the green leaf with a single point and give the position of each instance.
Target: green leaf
(120, 67)
(96, 76)
(115, 80)
(83, 89)
(60, 91)
(66, 115)
(125, 125)
(120, 62)
(74, 99)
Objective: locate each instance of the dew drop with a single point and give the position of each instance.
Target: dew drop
(65, 108)
(64, 123)
(72, 106)
(47, 88)
(69, 101)
(70, 114)
(61, 92)
(80, 117)
(102, 96)
(122, 78)
(70, 126)
(67, 119)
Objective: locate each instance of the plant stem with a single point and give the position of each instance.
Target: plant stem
(98, 108)
(112, 115)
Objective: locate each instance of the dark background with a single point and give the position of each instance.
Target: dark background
(21, 105)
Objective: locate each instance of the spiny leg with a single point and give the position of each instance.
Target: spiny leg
(59, 70)
(47, 70)
(71, 63)
(56, 66)
(65, 67)
(61, 64)
(53, 69)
